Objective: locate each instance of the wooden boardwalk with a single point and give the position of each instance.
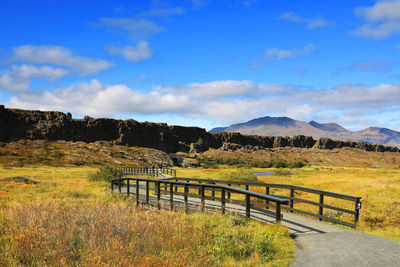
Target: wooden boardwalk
(296, 224)
(318, 243)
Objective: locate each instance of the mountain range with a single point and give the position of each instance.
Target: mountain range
(284, 126)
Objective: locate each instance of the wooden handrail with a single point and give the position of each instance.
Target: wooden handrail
(292, 189)
(155, 172)
(186, 185)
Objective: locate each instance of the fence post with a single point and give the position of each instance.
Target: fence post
(247, 187)
(278, 212)
(186, 198)
(213, 193)
(357, 211)
(171, 196)
(147, 192)
(158, 185)
(202, 198)
(127, 187)
(119, 185)
(229, 193)
(248, 206)
(200, 188)
(291, 201)
(176, 187)
(267, 201)
(321, 208)
(137, 192)
(223, 200)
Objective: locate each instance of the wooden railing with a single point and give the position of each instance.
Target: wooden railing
(293, 198)
(171, 188)
(150, 171)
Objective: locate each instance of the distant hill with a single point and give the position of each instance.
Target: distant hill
(284, 126)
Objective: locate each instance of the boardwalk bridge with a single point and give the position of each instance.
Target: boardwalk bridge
(293, 205)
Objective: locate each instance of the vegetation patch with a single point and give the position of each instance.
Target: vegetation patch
(106, 174)
(243, 176)
(213, 162)
(112, 231)
(18, 179)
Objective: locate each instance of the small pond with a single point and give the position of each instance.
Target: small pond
(263, 173)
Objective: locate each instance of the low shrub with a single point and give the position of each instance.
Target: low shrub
(105, 173)
(243, 176)
(282, 172)
(211, 163)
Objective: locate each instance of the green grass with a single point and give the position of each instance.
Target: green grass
(379, 189)
(67, 219)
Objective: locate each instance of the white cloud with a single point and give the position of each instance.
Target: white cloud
(279, 54)
(19, 78)
(380, 21)
(164, 12)
(9, 83)
(86, 98)
(136, 29)
(59, 56)
(30, 71)
(223, 89)
(311, 23)
(376, 66)
(223, 101)
(137, 53)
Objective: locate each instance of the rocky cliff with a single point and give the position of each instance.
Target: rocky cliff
(18, 124)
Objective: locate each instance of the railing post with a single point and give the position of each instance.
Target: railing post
(267, 201)
(248, 206)
(147, 193)
(127, 187)
(186, 198)
(213, 193)
(278, 212)
(176, 187)
(137, 192)
(200, 188)
(158, 185)
(291, 201)
(247, 187)
(357, 211)
(202, 198)
(321, 208)
(119, 185)
(229, 193)
(171, 196)
(223, 200)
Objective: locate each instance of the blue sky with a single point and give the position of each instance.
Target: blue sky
(204, 63)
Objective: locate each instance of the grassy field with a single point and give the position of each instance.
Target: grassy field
(378, 187)
(58, 217)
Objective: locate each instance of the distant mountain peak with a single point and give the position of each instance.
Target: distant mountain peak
(331, 127)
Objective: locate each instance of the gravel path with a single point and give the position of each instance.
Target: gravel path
(346, 248)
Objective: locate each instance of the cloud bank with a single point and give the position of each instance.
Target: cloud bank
(224, 101)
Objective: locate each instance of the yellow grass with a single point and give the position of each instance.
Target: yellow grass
(64, 219)
(378, 187)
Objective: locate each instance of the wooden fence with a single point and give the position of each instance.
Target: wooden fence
(171, 188)
(293, 198)
(150, 171)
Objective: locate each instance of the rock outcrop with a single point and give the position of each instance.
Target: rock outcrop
(18, 124)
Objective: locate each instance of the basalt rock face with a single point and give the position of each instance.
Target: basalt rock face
(48, 125)
(39, 125)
